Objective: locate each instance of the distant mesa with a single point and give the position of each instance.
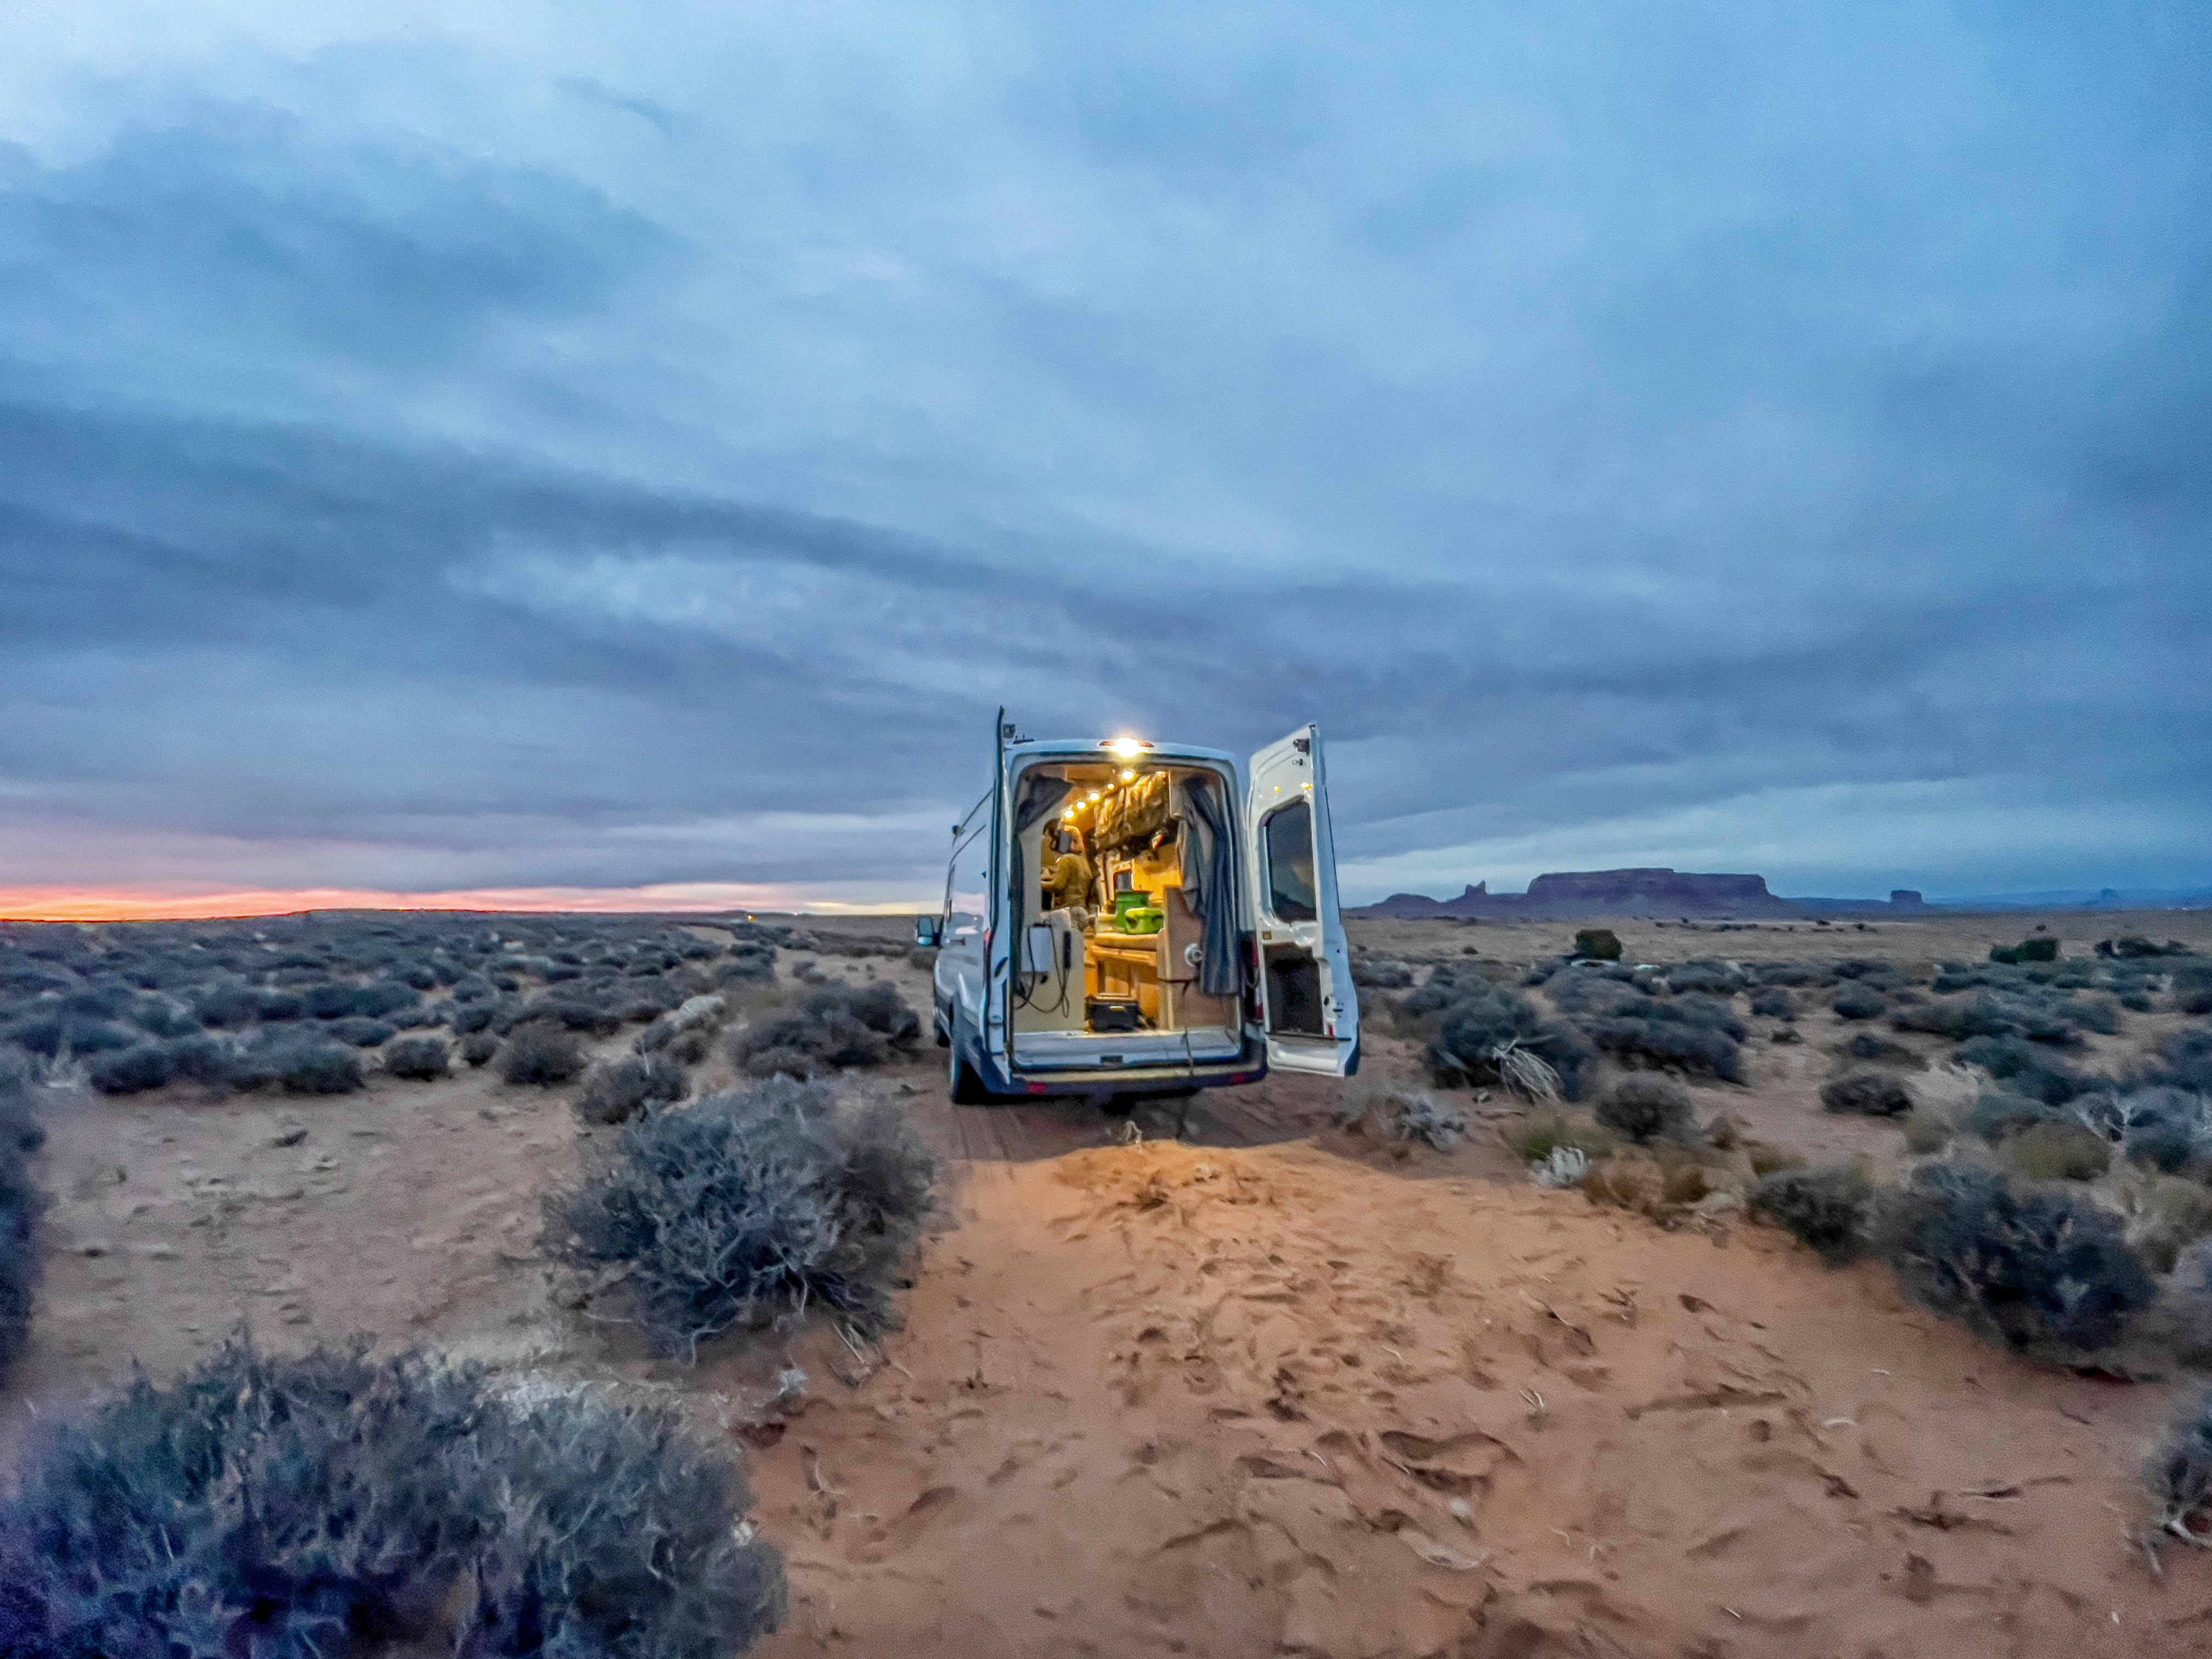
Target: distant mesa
(1573, 895)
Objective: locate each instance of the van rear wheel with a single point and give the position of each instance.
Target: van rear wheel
(966, 1083)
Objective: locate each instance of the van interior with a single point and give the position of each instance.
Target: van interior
(1124, 876)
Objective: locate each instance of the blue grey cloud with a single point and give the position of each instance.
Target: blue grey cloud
(654, 456)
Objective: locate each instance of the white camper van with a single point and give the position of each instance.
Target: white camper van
(1124, 918)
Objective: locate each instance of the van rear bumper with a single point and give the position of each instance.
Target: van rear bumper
(1090, 1077)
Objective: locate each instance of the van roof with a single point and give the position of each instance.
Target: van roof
(1097, 748)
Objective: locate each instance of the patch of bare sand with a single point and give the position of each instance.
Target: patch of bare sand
(1168, 1399)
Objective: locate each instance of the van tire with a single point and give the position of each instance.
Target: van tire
(966, 1083)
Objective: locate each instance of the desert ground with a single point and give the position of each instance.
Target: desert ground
(1280, 1386)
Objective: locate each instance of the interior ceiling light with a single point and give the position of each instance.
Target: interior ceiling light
(1128, 774)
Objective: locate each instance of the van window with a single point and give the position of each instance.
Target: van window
(1289, 835)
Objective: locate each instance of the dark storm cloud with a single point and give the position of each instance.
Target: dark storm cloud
(1712, 445)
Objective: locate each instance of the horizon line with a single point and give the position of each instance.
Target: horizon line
(88, 904)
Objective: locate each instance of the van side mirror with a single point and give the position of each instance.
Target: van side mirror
(929, 931)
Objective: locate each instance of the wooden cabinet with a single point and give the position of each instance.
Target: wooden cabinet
(1160, 970)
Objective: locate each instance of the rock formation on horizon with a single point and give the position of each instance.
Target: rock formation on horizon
(1567, 896)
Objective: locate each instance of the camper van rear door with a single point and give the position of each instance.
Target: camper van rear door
(1312, 1013)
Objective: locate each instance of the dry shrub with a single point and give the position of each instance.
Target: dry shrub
(617, 1092)
(1867, 1093)
(2181, 1476)
(478, 1046)
(21, 1205)
(1540, 1132)
(743, 1201)
(330, 1504)
(1658, 1182)
(2058, 1152)
(422, 1057)
(1830, 1209)
(1647, 1107)
(1766, 1157)
(837, 1026)
(541, 1052)
(2039, 1270)
(2168, 1214)
(1927, 1133)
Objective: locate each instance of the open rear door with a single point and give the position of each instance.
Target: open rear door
(1312, 1012)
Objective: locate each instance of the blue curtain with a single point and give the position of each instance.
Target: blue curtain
(1209, 882)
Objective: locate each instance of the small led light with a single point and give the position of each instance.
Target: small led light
(1128, 774)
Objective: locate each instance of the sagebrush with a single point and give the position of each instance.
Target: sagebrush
(21, 1205)
(2038, 1270)
(1829, 1208)
(778, 1195)
(332, 1504)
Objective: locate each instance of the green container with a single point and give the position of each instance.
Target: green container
(1125, 902)
(1140, 919)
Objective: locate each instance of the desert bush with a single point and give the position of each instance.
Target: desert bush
(578, 1009)
(1381, 973)
(1866, 1093)
(1411, 1114)
(1644, 1108)
(1774, 1003)
(777, 1194)
(2038, 1270)
(420, 1057)
(201, 1058)
(1927, 1133)
(1542, 1132)
(162, 1016)
(1858, 1001)
(1713, 978)
(1881, 1051)
(1659, 1181)
(837, 1025)
(131, 1071)
(2179, 1476)
(1799, 974)
(2058, 1152)
(748, 962)
(2192, 988)
(542, 1052)
(359, 1030)
(1829, 1208)
(1598, 944)
(332, 1504)
(617, 1090)
(320, 1068)
(21, 1205)
(1998, 1113)
(478, 1046)
(467, 1016)
(48, 1033)
(2186, 1061)
(2166, 1214)
(1484, 1028)
(2028, 1070)
(1562, 1167)
(1694, 1033)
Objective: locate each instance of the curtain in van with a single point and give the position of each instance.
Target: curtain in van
(1209, 882)
(1041, 796)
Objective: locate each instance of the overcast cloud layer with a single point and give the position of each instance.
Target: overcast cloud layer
(486, 448)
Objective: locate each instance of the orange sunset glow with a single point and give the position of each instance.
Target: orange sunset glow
(112, 904)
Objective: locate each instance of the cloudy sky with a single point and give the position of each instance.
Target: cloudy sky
(495, 447)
